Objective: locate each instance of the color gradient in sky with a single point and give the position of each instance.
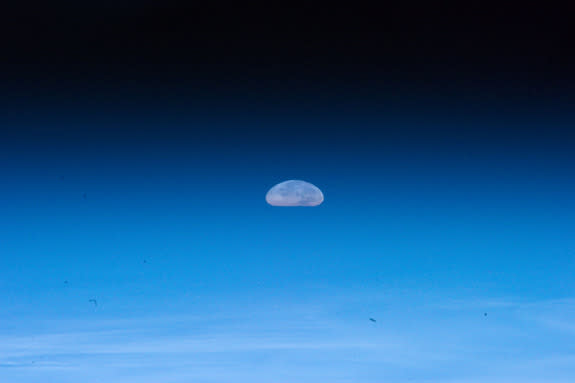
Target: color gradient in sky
(137, 147)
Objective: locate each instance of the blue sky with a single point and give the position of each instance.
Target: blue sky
(197, 279)
(137, 145)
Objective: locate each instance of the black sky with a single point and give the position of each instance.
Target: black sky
(414, 61)
(291, 49)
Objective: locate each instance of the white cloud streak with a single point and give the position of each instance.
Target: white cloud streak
(327, 339)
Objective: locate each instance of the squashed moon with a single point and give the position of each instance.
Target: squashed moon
(294, 193)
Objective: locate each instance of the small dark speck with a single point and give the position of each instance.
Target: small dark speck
(373, 320)
(85, 196)
(66, 282)
(484, 314)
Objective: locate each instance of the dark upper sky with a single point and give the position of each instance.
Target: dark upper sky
(408, 61)
(300, 51)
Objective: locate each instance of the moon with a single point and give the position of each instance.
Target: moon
(294, 193)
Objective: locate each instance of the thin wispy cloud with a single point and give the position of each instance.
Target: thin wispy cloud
(320, 338)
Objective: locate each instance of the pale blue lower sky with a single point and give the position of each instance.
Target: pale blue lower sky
(198, 280)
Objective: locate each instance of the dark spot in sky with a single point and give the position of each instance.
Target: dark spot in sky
(95, 302)
(373, 320)
(85, 196)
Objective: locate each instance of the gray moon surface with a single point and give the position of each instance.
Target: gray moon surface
(294, 193)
